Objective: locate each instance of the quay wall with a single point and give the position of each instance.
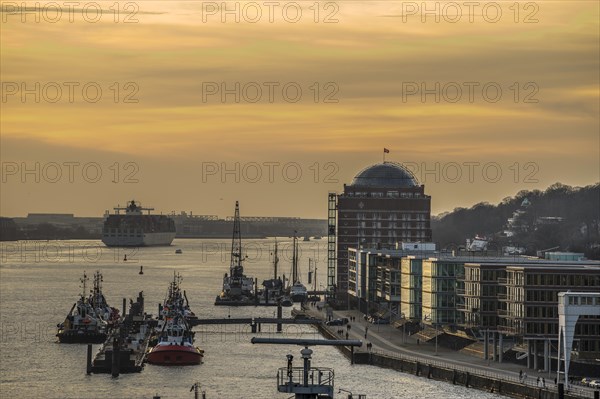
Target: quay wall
(424, 368)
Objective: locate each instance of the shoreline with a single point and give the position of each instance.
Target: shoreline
(495, 377)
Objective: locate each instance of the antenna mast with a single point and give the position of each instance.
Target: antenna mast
(236, 267)
(275, 261)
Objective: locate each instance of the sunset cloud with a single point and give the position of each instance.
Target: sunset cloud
(370, 58)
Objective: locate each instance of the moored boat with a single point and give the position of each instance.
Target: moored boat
(297, 292)
(175, 345)
(237, 287)
(88, 319)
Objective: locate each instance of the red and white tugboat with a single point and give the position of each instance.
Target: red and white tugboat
(175, 341)
(175, 345)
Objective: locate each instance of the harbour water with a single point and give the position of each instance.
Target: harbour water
(39, 282)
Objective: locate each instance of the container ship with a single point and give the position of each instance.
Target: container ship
(136, 229)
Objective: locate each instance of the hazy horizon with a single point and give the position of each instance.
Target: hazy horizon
(224, 215)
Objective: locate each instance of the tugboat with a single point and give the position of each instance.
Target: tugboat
(176, 301)
(83, 325)
(107, 313)
(175, 345)
(298, 292)
(237, 287)
(175, 342)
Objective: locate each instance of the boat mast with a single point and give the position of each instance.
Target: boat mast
(97, 287)
(294, 260)
(84, 285)
(275, 261)
(315, 277)
(235, 267)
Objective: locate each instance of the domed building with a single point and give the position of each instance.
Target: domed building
(387, 174)
(384, 205)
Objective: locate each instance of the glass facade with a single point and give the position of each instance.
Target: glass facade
(442, 282)
(411, 280)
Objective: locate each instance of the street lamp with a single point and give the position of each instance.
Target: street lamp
(403, 317)
(428, 317)
(436, 335)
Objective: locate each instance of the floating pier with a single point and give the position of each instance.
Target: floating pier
(125, 348)
(255, 320)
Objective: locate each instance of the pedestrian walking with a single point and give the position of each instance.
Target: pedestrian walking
(537, 383)
(543, 382)
(520, 375)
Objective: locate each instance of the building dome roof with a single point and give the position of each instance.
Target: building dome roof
(387, 174)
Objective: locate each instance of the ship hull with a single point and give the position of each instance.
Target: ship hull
(147, 240)
(298, 297)
(73, 337)
(174, 355)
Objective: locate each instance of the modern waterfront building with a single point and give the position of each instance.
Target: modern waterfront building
(411, 285)
(442, 281)
(530, 311)
(377, 278)
(383, 205)
(480, 303)
(515, 295)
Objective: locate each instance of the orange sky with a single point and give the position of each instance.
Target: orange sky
(366, 61)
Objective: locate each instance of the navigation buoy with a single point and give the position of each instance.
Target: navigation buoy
(141, 270)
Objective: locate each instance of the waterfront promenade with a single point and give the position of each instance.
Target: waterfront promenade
(388, 340)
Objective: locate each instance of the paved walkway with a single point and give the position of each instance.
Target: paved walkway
(387, 338)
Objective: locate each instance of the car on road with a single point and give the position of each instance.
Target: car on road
(594, 384)
(303, 316)
(586, 381)
(338, 322)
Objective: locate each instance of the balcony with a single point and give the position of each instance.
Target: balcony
(503, 297)
(509, 330)
(466, 308)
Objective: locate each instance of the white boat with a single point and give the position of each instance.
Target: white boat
(298, 292)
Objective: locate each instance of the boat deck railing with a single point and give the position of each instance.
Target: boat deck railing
(318, 380)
